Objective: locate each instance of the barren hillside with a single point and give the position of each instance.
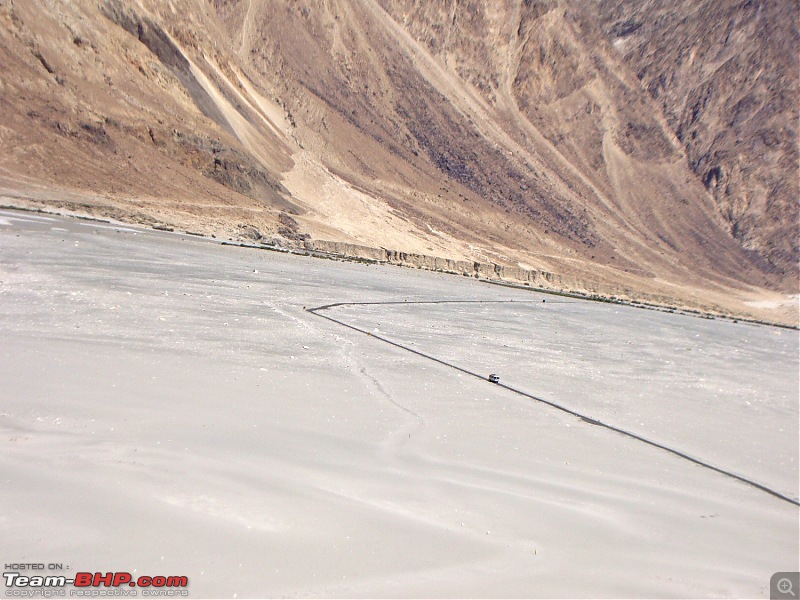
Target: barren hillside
(523, 134)
(725, 75)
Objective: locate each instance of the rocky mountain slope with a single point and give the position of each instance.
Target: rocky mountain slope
(526, 134)
(725, 75)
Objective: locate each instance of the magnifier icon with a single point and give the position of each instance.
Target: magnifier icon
(785, 587)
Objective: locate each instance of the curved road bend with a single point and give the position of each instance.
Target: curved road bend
(317, 311)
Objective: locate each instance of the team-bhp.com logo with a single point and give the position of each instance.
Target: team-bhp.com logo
(111, 584)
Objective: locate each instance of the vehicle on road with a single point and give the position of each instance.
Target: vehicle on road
(494, 378)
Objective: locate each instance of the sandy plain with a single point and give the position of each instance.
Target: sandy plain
(168, 407)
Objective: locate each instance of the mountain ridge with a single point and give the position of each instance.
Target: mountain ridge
(514, 133)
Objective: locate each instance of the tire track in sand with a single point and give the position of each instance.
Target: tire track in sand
(583, 418)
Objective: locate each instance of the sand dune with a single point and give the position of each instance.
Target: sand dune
(168, 407)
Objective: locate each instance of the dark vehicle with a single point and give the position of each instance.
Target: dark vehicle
(494, 378)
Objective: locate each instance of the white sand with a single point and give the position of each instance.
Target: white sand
(166, 409)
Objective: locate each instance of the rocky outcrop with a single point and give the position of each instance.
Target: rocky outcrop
(346, 250)
(480, 270)
(535, 278)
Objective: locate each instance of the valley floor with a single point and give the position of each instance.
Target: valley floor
(170, 407)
